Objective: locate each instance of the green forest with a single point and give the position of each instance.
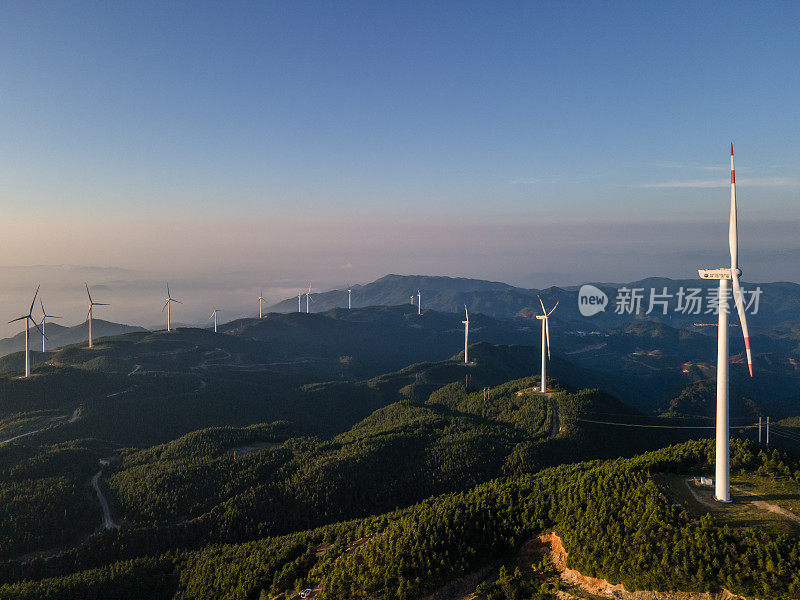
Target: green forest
(610, 515)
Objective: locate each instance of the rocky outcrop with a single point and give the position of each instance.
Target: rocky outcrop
(551, 544)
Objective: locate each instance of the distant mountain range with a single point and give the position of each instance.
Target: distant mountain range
(58, 335)
(778, 303)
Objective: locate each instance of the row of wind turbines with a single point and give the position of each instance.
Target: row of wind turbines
(309, 299)
(168, 302)
(723, 275)
(28, 318)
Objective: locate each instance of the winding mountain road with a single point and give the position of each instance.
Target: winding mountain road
(108, 522)
(74, 417)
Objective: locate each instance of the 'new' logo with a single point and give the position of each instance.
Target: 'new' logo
(591, 300)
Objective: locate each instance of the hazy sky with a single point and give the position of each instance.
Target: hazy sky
(274, 143)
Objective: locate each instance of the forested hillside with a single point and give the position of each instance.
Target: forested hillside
(257, 461)
(610, 515)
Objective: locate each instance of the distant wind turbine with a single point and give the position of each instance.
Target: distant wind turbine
(45, 316)
(308, 298)
(167, 302)
(90, 314)
(349, 296)
(722, 483)
(260, 300)
(27, 318)
(466, 335)
(214, 316)
(419, 303)
(299, 298)
(545, 319)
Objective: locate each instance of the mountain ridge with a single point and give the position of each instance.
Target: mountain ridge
(59, 336)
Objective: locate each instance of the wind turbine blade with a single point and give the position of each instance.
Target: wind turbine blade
(33, 302)
(87, 291)
(552, 309)
(168, 294)
(165, 306)
(544, 312)
(466, 312)
(44, 312)
(100, 304)
(177, 301)
(737, 298)
(35, 324)
(18, 319)
(733, 234)
(547, 335)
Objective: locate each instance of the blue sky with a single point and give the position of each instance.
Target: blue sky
(186, 129)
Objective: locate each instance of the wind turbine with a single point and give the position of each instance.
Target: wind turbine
(545, 319)
(45, 316)
(90, 314)
(308, 297)
(349, 296)
(722, 483)
(299, 297)
(29, 317)
(419, 303)
(260, 300)
(466, 335)
(214, 316)
(167, 301)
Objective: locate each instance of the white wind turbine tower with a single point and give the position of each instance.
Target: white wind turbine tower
(349, 297)
(90, 314)
(308, 298)
(260, 300)
(545, 319)
(214, 316)
(722, 482)
(299, 298)
(167, 302)
(29, 317)
(466, 335)
(419, 303)
(45, 316)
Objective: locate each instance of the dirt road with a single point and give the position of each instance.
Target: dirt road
(108, 522)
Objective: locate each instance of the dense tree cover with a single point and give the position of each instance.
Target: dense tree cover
(45, 496)
(398, 455)
(190, 491)
(53, 387)
(208, 443)
(199, 523)
(515, 402)
(151, 578)
(614, 520)
(193, 488)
